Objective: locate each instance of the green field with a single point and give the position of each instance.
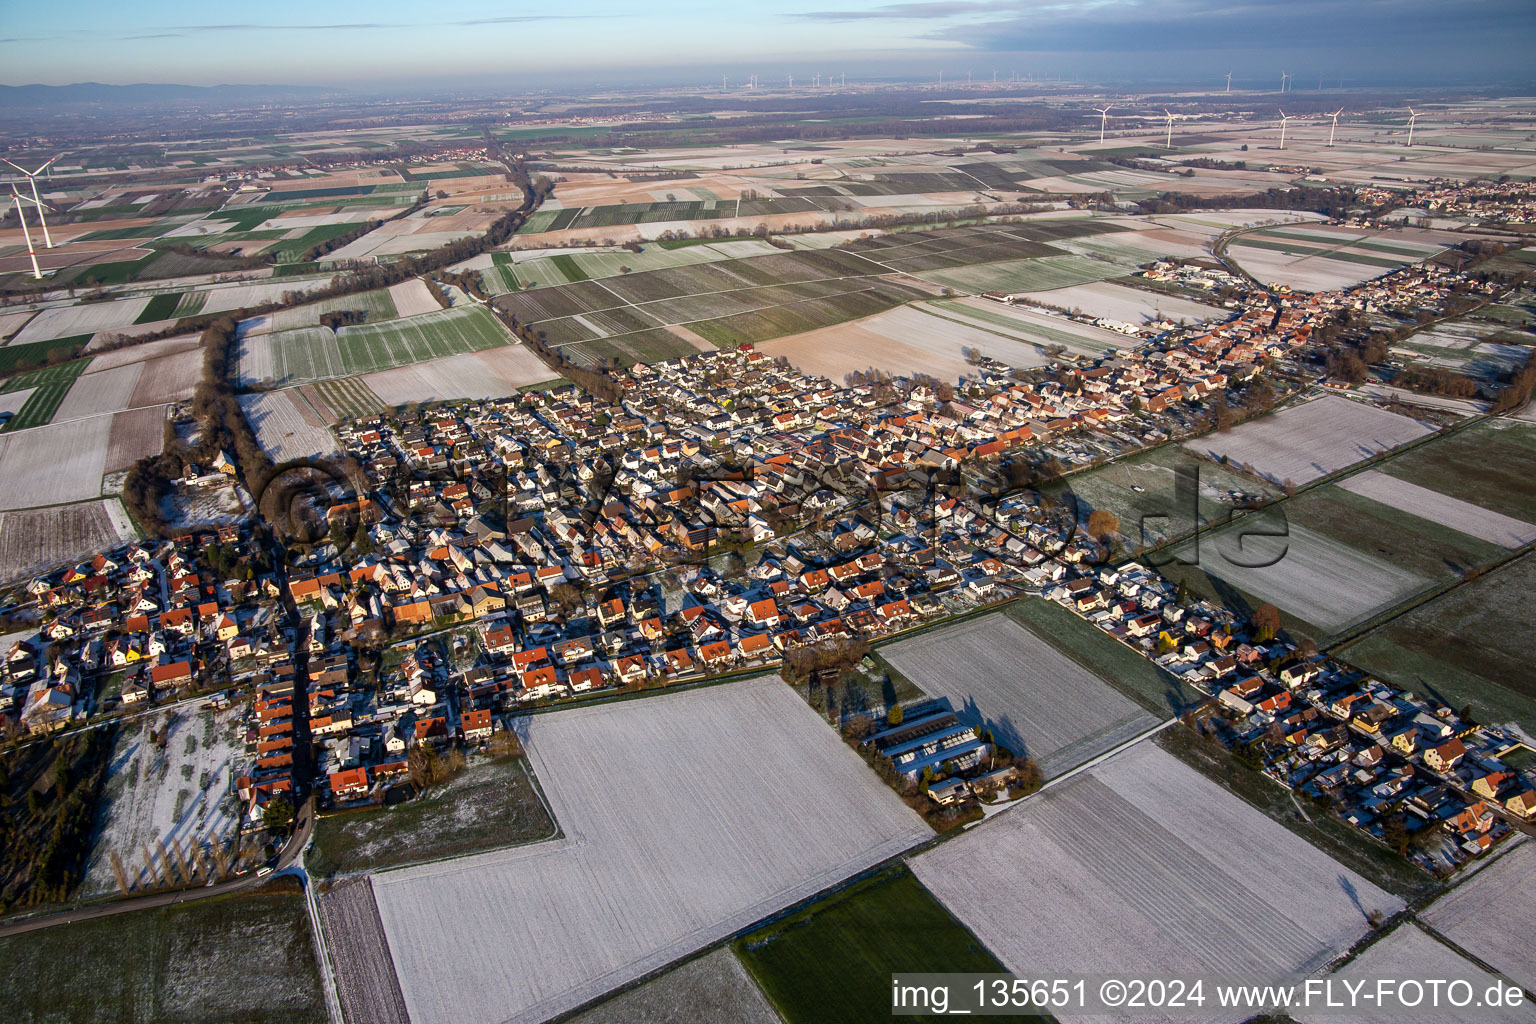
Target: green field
(348, 397)
(291, 249)
(568, 268)
(52, 384)
(309, 354)
(833, 960)
(104, 273)
(378, 304)
(247, 958)
(488, 806)
(1492, 464)
(190, 305)
(13, 356)
(1469, 646)
(1032, 275)
(161, 307)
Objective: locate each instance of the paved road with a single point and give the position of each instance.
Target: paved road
(304, 825)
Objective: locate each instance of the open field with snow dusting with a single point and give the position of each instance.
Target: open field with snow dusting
(1128, 305)
(53, 464)
(1142, 866)
(737, 801)
(1325, 582)
(411, 298)
(184, 791)
(1036, 700)
(282, 428)
(1304, 442)
(135, 433)
(715, 987)
(1410, 953)
(99, 392)
(1490, 914)
(85, 318)
(495, 373)
(34, 539)
(1462, 516)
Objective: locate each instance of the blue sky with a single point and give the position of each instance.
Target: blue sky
(384, 43)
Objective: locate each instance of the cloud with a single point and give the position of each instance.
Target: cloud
(911, 12)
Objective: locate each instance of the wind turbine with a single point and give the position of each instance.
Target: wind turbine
(1283, 119)
(32, 252)
(1412, 117)
(1229, 81)
(37, 200)
(1103, 120)
(1169, 143)
(1284, 78)
(1335, 116)
(791, 81)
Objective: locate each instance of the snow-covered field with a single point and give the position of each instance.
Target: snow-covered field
(1035, 699)
(244, 296)
(495, 373)
(1304, 442)
(36, 538)
(412, 297)
(86, 318)
(1409, 953)
(1141, 866)
(1127, 305)
(98, 392)
(52, 464)
(282, 429)
(687, 816)
(183, 791)
(1463, 516)
(1490, 914)
(1318, 579)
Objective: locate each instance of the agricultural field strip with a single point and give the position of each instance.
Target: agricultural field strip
(1034, 698)
(1177, 869)
(54, 464)
(281, 428)
(1410, 953)
(37, 538)
(1308, 441)
(1325, 582)
(1489, 914)
(1462, 516)
(717, 843)
(359, 954)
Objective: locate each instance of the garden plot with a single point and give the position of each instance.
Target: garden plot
(86, 318)
(1305, 442)
(282, 429)
(749, 804)
(99, 392)
(412, 298)
(1127, 305)
(35, 539)
(1409, 953)
(135, 434)
(1462, 516)
(1035, 699)
(1321, 581)
(1490, 915)
(53, 464)
(1142, 866)
(181, 790)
